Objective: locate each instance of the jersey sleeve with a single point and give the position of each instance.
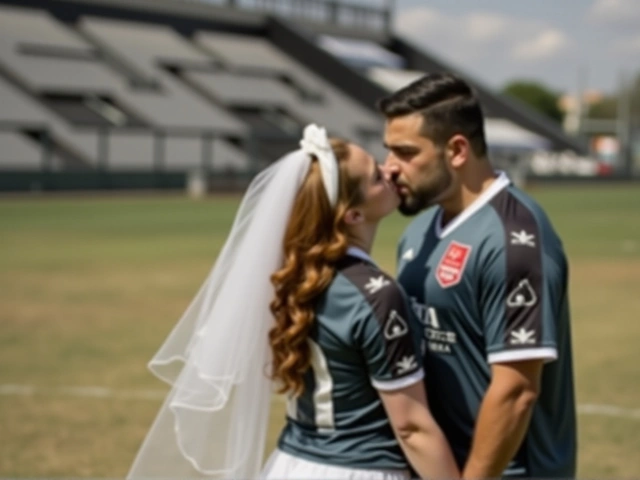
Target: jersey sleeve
(388, 335)
(522, 290)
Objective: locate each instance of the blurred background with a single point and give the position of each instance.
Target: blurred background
(129, 129)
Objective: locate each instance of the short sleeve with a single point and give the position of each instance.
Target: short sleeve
(521, 291)
(389, 337)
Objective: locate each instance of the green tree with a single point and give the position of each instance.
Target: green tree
(537, 96)
(607, 107)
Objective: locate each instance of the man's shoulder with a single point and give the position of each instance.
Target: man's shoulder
(516, 208)
(524, 227)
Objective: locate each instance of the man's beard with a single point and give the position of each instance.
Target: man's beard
(427, 195)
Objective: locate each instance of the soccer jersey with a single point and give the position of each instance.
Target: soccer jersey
(491, 287)
(364, 339)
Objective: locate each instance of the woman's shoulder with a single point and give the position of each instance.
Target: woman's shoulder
(370, 281)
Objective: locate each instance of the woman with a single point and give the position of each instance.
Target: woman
(342, 344)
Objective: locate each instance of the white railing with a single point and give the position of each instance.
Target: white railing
(336, 12)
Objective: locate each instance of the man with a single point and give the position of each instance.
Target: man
(487, 274)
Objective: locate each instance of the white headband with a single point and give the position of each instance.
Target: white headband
(315, 142)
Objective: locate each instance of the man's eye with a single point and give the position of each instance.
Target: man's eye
(406, 153)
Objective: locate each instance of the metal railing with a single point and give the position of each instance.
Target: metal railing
(43, 134)
(39, 129)
(334, 12)
(95, 170)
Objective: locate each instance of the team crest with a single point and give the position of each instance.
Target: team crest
(452, 264)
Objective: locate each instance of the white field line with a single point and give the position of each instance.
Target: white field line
(158, 394)
(87, 392)
(609, 411)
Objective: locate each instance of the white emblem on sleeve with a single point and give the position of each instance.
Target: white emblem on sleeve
(523, 337)
(522, 296)
(406, 364)
(523, 238)
(376, 284)
(408, 254)
(395, 327)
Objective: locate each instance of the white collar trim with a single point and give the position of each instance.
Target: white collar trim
(359, 253)
(500, 183)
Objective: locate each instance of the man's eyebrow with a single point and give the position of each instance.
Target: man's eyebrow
(399, 145)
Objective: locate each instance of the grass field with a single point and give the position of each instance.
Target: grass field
(90, 287)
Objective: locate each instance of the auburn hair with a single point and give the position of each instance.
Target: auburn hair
(315, 239)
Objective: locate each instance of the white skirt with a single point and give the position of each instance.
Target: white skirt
(282, 466)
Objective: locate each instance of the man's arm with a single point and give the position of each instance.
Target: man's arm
(503, 418)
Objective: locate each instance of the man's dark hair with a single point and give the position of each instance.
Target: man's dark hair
(448, 106)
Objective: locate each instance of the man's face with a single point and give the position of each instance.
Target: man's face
(416, 166)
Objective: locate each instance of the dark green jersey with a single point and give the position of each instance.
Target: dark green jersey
(491, 287)
(364, 339)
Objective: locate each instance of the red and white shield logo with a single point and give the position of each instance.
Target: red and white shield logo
(452, 263)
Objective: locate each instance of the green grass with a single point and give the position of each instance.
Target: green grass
(90, 287)
(596, 222)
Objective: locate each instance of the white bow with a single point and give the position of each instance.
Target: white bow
(315, 142)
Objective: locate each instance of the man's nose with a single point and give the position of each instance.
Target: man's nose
(391, 160)
(390, 168)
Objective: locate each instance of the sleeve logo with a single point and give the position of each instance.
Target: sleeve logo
(407, 364)
(523, 238)
(452, 264)
(522, 296)
(523, 337)
(395, 326)
(409, 255)
(376, 284)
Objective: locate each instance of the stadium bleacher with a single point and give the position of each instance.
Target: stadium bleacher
(177, 86)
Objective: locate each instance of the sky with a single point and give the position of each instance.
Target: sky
(564, 44)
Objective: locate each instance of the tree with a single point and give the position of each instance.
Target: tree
(607, 107)
(537, 96)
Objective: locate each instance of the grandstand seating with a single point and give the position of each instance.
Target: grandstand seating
(118, 87)
(150, 76)
(265, 75)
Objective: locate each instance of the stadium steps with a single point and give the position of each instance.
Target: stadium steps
(64, 153)
(304, 50)
(113, 59)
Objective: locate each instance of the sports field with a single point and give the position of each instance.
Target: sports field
(90, 287)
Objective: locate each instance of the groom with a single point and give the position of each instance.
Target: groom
(488, 275)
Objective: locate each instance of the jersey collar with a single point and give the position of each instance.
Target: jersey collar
(501, 182)
(359, 253)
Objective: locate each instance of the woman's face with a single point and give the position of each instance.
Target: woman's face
(380, 197)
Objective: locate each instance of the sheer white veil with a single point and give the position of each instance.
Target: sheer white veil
(213, 423)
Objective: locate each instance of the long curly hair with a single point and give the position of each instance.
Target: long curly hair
(315, 239)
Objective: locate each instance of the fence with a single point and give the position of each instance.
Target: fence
(99, 173)
(324, 11)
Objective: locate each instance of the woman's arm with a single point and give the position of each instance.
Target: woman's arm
(420, 437)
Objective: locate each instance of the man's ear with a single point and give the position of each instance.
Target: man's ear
(353, 216)
(458, 150)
